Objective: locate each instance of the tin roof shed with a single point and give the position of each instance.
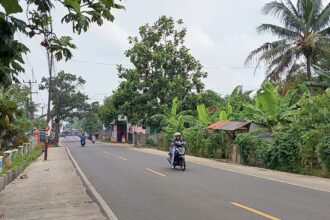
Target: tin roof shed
(231, 125)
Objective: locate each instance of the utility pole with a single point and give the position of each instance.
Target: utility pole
(30, 91)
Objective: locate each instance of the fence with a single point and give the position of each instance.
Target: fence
(155, 140)
(13, 162)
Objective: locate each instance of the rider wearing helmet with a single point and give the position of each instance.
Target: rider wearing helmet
(178, 142)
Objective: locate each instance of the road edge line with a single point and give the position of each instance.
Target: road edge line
(107, 210)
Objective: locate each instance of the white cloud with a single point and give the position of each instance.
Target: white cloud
(115, 34)
(198, 39)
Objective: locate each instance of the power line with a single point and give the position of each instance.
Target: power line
(94, 62)
(205, 67)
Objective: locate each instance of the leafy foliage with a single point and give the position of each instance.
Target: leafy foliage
(325, 79)
(163, 68)
(80, 14)
(271, 108)
(67, 100)
(13, 118)
(253, 151)
(172, 121)
(11, 52)
(304, 34)
(91, 122)
(324, 153)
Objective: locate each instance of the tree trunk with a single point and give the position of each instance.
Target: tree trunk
(309, 67)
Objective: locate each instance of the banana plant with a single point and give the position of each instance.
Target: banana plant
(271, 108)
(171, 120)
(227, 114)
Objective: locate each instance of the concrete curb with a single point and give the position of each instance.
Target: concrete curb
(107, 210)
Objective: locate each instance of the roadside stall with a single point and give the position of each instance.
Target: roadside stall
(232, 128)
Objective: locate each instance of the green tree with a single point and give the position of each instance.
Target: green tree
(163, 68)
(305, 34)
(68, 101)
(91, 122)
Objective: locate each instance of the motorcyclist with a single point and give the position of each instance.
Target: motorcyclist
(82, 138)
(178, 142)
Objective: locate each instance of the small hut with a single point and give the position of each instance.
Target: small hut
(231, 128)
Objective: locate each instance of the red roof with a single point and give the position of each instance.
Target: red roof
(217, 124)
(229, 125)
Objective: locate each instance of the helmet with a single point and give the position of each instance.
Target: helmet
(177, 134)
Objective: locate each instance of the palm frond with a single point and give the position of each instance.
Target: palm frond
(325, 32)
(313, 8)
(323, 19)
(278, 31)
(292, 8)
(281, 63)
(265, 47)
(288, 17)
(270, 55)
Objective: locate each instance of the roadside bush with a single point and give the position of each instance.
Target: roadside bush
(253, 151)
(285, 153)
(194, 139)
(163, 141)
(324, 153)
(150, 142)
(211, 144)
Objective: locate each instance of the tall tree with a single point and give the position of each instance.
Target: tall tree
(163, 68)
(68, 102)
(305, 34)
(91, 122)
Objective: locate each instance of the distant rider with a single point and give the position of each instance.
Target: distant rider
(82, 138)
(178, 142)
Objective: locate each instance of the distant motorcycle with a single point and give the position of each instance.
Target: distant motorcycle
(82, 143)
(179, 157)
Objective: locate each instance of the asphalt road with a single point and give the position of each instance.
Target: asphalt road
(141, 186)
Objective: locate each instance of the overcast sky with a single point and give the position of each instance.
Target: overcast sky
(221, 34)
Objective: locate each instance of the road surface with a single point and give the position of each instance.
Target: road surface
(141, 186)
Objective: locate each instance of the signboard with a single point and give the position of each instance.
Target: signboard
(122, 118)
(42, 135)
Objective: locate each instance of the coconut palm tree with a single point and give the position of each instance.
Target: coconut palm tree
(304, 36)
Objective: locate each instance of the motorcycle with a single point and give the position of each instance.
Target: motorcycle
(82, 143)
(179, 157)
